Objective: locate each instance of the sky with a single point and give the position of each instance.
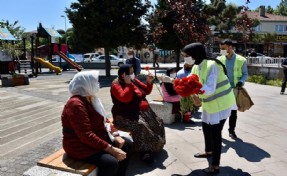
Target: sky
(29, 13)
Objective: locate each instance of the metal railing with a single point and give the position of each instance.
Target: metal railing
(265, 61)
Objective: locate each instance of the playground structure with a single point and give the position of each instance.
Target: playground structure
(41, 56)
(52, 48)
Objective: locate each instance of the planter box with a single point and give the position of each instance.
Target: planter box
(9, 81)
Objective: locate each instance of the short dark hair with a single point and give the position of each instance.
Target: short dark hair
(226, 42)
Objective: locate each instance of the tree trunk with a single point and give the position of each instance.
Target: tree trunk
(108, 62)
(177, 53)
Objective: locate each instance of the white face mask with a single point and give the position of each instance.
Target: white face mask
(173, 75)
(223, 52)
(130, 56)
(132, 76)
(189, 60)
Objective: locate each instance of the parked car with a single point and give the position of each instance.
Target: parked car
(115, 61)
(89, 56)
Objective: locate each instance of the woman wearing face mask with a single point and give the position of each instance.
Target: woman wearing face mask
(85, 135)
(217, 101)
(186, 103)
(132, 113)
(169, 93)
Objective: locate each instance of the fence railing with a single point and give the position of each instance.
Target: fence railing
(265, 61)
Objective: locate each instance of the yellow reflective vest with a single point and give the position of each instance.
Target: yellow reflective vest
(223, 97)
(238, 63)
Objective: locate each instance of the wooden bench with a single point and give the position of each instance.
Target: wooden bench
(60, 161)
(163, 110)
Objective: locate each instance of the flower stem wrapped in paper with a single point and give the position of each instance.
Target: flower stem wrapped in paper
(189, 86)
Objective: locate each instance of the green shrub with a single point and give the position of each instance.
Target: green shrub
(275, 82)
(261, 79)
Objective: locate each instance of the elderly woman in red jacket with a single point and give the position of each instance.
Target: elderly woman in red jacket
(85, 135)
(132, 113)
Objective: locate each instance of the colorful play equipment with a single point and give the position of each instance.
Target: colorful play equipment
(49, 65)
(69, 60)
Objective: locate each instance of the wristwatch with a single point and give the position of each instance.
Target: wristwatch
(116, 134)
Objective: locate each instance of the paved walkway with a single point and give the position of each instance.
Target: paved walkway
(30, 129)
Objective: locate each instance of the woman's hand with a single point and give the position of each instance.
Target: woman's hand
(196, 100)
(119, 141)
(127, 79)
(116, 152)
(149, 78)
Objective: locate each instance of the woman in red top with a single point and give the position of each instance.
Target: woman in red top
(85, 135)
(132, 113)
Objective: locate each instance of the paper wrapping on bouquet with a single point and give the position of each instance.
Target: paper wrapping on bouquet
(243, 99)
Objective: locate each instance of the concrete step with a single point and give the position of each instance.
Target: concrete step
(24, 116)
(31, 140)
(30, 117)
(15, 133)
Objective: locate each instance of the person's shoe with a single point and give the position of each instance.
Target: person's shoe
(211, 170)
(188, 121)
(232, 135)
(281, 93)
(202, 155)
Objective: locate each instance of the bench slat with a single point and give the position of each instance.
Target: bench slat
(60, 161)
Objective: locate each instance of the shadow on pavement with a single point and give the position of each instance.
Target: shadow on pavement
(246, 150)
(224, 171)
(136, 166)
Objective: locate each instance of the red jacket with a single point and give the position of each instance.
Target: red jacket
(129, 99)
(86, 134)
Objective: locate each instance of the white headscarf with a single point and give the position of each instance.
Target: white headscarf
(86, 83)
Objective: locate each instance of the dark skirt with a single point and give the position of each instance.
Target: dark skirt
(148, 132)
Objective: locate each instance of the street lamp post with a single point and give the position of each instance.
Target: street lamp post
(65, 28)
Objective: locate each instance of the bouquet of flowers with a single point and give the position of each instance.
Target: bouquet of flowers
(188, 86)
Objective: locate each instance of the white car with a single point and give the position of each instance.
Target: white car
(89, 56)
(115, 61)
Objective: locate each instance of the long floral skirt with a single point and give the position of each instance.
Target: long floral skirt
(147, 133)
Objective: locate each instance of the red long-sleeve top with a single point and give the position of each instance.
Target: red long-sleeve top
(87, 134)
(129, 99)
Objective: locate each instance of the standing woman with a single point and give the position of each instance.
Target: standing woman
(217, 101)
(85, 134)
(132, 113)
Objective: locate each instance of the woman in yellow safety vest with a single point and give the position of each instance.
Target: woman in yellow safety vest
(217, 101)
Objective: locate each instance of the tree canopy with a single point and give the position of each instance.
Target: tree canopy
(108, 23)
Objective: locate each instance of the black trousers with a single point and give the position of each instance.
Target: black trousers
(232, 121)
(108, 165)
(283, 86)
(213, 140)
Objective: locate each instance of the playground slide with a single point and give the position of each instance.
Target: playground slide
(69, 61)
(49, 65)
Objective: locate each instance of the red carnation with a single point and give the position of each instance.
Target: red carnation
(147, 68)
(188, 86)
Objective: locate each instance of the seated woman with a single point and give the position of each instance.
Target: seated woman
(132, 113)
(168, 92)
(85, 135)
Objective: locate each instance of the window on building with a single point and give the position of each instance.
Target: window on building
(257, 28)
(281, 28)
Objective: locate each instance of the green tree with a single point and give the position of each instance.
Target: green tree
(221, 16)
(108, 23)
(281, 8)
(175, 23)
